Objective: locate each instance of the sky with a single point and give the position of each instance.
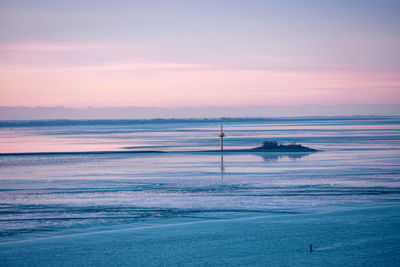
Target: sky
(119, 53)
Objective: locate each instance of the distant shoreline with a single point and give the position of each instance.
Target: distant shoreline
(77, 122)
(253, 111)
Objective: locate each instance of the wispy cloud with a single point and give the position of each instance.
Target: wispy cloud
(52, 47)
(102, 74)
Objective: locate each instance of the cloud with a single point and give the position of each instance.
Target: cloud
(52, 47)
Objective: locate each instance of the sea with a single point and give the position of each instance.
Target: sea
(53, 184)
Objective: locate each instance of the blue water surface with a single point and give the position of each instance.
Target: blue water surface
(358, 166)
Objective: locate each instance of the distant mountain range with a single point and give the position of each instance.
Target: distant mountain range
(51, 113)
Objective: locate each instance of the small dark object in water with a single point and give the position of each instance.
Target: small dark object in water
(310, 248)
(274, 146)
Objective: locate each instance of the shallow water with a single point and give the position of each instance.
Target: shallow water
(40, 195)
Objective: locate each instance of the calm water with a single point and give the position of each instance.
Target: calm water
(359, 166)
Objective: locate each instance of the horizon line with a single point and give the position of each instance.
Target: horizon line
(202, 106)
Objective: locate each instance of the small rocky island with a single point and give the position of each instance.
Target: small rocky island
(273, 146)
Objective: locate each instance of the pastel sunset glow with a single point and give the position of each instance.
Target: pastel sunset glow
(199, 53)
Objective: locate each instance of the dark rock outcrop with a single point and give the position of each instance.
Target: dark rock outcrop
(273, 146)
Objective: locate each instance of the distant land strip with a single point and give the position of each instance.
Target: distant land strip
(81, 153)
(67, 122)
(148, 152)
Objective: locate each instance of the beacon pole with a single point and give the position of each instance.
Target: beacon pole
(221, 135)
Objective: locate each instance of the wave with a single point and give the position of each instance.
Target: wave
(31, 219)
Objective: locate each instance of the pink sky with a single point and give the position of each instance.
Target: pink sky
(172, 54)
(54, 74)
